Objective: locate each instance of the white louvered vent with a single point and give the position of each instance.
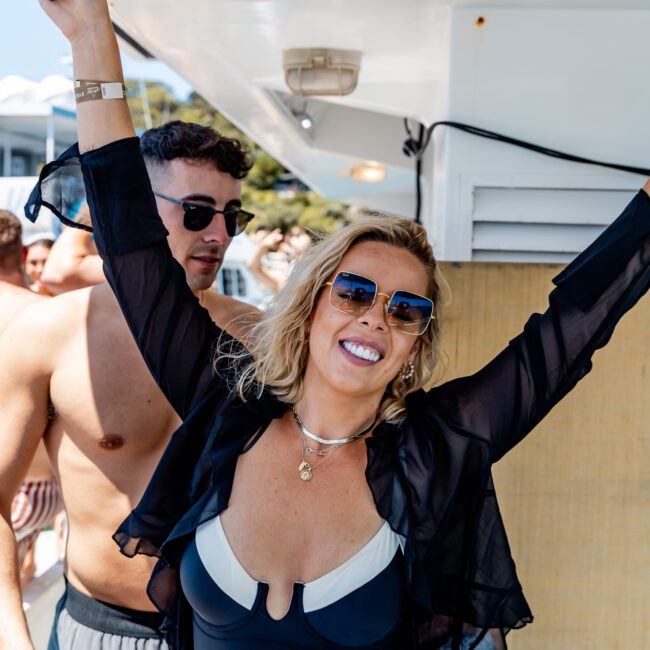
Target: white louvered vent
(540, 225)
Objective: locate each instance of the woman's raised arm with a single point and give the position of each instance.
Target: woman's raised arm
(95, 56)
(176, 336)
(504, 400)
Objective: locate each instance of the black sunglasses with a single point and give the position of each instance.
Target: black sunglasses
(197, 216)
(355, 294)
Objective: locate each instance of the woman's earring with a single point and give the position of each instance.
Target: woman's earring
(407, 372)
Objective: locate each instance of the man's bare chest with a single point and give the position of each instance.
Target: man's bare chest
(103, 395)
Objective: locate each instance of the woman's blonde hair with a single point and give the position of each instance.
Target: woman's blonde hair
(278, 346)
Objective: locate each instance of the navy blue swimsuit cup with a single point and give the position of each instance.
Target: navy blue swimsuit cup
(366, 617)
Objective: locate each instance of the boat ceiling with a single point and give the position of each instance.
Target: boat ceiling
(425, 60)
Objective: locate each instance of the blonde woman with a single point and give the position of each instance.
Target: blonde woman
(315, 496)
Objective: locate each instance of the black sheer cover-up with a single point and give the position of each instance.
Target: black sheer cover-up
(430, 477)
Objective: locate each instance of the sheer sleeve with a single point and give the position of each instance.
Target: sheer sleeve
(176, 336)
(503, 401)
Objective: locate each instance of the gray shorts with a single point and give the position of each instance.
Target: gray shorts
(83, 623)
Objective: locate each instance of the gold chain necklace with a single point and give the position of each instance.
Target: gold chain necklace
(306, 469)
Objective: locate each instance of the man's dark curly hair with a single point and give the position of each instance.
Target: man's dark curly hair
(195, 142)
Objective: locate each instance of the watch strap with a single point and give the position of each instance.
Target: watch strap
(87, 90)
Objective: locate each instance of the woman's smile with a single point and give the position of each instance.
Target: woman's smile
(360, 352)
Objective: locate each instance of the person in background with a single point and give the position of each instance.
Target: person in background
(299, 241)
(276, 255)
(271, 276)
(14, 290)
(38, 249)
(73, 262)
(258, 232)
(38, 499)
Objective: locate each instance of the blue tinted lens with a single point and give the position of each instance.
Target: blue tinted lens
(352, 293)
(409, 312)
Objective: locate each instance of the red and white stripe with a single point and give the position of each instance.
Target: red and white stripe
(35, 506)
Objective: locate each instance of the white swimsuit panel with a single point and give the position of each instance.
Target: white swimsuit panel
(231, 577)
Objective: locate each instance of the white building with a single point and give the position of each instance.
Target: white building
(37, 123)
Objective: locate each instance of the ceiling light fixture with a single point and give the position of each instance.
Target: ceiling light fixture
(321, 71)
(368, 172)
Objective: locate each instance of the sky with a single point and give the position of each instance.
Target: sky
(32, 47)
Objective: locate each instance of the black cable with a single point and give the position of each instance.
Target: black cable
(418, 176)
(416, 148)
(491, 135)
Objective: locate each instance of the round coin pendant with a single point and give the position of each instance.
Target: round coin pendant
(305, 471)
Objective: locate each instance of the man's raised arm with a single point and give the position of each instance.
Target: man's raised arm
(73, 263)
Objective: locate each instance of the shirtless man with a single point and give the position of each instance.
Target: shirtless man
(37, 500)
(14, 292)
(112, 422)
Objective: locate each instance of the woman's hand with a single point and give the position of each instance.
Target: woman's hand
(76, 18)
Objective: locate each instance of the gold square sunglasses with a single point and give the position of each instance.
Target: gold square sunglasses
(355, 294)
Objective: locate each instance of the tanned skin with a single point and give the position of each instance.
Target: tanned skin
(14, 297)
(72, 264)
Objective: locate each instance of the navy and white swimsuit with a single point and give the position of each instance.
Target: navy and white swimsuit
(358, 605)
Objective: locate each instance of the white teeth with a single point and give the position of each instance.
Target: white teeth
(362, 352)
